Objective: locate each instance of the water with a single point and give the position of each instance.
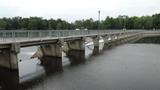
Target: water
(125, 67)
(150, 40)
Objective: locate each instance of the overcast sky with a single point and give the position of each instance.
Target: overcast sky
(71, 10)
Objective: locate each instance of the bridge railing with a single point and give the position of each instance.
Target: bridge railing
(22, 35)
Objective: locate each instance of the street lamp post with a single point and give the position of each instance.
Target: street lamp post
(99, 19)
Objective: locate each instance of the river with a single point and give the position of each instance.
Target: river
(125, 67)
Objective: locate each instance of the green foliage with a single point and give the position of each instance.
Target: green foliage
(156, 21)
(52, 24)
(120, 22)
(15, 22)
(24, 23)
(3, 24)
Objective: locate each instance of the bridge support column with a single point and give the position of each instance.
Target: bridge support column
(51, 57)
(106, 42)
(113, 41)
(76, 52)
(120, 41)
(123, 40)
(96, 45)
(9, 57)
(9, 78)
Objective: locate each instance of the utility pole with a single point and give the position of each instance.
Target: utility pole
(99, 20)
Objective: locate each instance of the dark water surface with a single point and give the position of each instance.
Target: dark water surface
(126, 67)
(155, 40)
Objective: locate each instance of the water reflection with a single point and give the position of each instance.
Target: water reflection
(9, 80)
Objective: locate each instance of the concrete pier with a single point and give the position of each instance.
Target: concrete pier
(96, 45)
(51, 57)
(76, 52)
(9, 57)
(106, 42)
(76, 56)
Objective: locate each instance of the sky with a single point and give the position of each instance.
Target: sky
(71, 10)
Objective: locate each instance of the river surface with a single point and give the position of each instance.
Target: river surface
(125, 67)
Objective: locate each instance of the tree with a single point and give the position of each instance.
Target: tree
(88, 23)
(3, 24)
(79, 24)
(156, 21)
(147, 22)
(120, 22)
(52, 24)
(15, 22)
(36, 23)
(24, 23)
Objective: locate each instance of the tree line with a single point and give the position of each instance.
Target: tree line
(120, 22)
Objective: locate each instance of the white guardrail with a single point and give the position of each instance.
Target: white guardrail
(7, 36)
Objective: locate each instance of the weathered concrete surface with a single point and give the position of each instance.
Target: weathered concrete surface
(52, 50)
(8, 57)
(96, 45)
(76, 52)
(50, 57)
(48, 50)
(105, 38)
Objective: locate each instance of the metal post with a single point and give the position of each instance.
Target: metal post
(99, 19)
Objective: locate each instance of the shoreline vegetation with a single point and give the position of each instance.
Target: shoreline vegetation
(120, 22)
